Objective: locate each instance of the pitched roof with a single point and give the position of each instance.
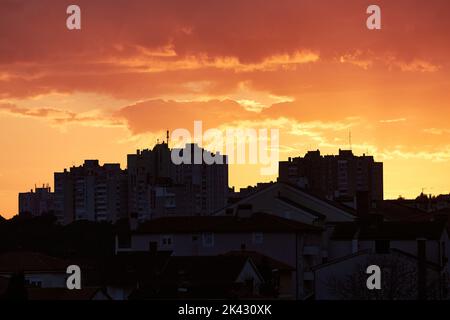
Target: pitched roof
(335, 204)
(392, 251)
(13, 262)
(127, 268)
(301, 207)
(343, 208)
(391, 230)
(260, 259)
(257, 222)
(205, 277)
(204, 270)
(83, 294)
(395, 210)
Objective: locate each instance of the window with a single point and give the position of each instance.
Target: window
(258, 238)
(153, 246)
(166, 240)
(208, 239)
(33, 283)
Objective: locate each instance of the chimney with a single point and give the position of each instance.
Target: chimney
(421, 269)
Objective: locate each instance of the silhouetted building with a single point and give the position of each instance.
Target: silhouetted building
(37, 202)
(91, 192)
(234, 196)
(206, 185)
(147, 168)
(291, 242)
(340, 177)
(158, 187)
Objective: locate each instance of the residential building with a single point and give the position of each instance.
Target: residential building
(339, 177)
(403, 277)
(158, 187)
(206, 277)
(376, 234)
(39, 270)
(291, 202)
(217, 235)
(63, 294)
(37, 202)
(91, 192)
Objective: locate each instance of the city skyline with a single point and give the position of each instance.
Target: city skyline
(309, 68)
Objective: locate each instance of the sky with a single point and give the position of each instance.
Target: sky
(309, 68)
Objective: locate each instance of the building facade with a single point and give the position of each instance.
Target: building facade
(36, 202)
(339, 177)
(91, 192)
(158, 187)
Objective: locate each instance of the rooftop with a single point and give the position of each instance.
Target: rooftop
(13, 262)
(392, 230)
(257, 222)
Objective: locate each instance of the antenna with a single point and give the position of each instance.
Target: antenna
(350, 139)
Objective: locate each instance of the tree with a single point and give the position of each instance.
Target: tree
(399, 280)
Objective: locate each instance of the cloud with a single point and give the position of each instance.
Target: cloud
(417, 65)
(61, 117)
(153, 48)
(155, 115)
(393, 120)
(430, 155)
(436, 131)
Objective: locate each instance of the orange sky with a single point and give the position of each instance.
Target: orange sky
(310, 68)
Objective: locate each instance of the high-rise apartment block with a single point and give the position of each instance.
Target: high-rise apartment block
(36, 202)
(151, 187)
(91, 192)
(158, 187)
(337, 177)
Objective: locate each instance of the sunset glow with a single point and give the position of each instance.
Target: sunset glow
(308, 68)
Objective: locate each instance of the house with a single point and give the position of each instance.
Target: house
(371, 237)
(278, 276)
(291, 202)
(379, 235)
(123, 273)
(205, 277)
(39, 270)
(292, 242)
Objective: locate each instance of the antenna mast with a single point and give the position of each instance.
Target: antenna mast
(350, 139)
